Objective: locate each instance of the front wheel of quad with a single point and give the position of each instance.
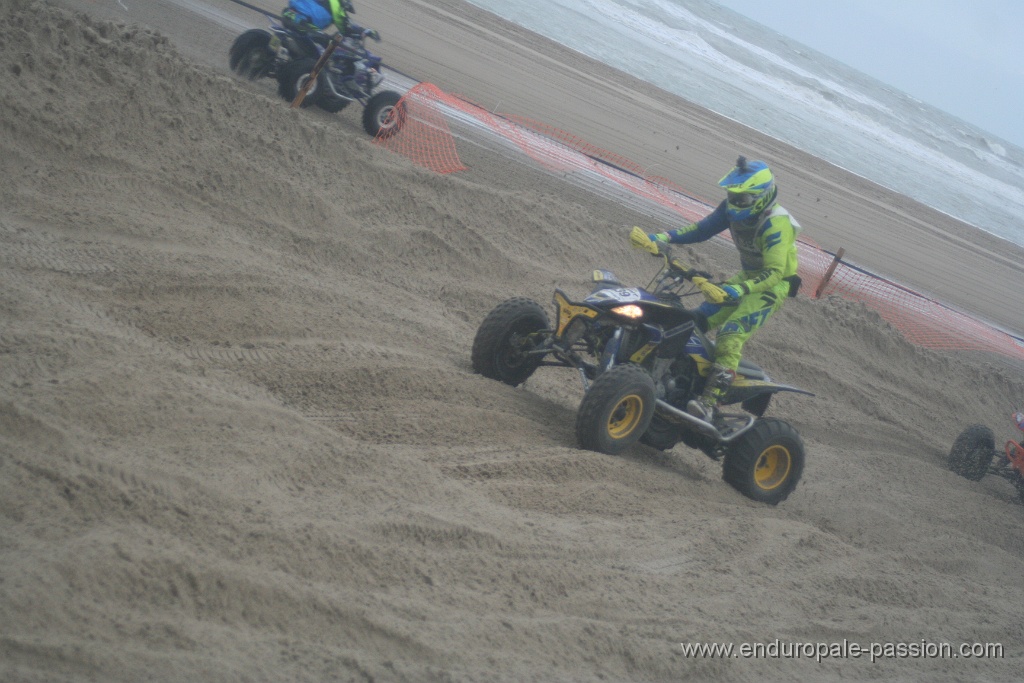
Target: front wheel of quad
(294, 76)
(616, 410)
(502, 342)
(766, 462)
(972, 452)
(384, 115)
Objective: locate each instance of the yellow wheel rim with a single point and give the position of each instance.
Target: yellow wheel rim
(772, 467)
(625, 416)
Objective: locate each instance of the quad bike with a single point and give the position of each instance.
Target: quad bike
(352, 73)
(974, 450)
(641, 356)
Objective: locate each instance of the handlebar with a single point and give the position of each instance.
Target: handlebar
(639, 239)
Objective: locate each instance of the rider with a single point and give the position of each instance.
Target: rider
(316, 15)
(765, 235)
(313, 16)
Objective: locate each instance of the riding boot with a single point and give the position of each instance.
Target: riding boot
(719, 380)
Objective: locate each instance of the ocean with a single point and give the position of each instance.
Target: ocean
(714, 57)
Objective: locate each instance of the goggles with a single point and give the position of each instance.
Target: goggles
(741, 200)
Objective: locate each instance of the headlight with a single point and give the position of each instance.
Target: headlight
(629, 311)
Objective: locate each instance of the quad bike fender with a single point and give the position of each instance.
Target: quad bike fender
(567, 311)
(300, 46)
(744, 389)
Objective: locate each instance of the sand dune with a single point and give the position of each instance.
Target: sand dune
(240, 438)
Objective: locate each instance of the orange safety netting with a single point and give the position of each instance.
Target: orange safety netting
(423, 136)
(426, 139)
(921, 320)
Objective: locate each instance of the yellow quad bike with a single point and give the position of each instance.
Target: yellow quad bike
(642, 355)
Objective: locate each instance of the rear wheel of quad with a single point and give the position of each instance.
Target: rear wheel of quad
(501, 342)
(766, 462)
(250, 55)
(616, 411)
(972, 452)
(383, 115)
(294, 76)
(660, 434)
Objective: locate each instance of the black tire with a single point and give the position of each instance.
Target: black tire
(250, 55)
(766, 462)
(293, 76)
(616, 410)
(661, 434)
(972, 452)
(758, 405)
(498, 345)
(384, 115)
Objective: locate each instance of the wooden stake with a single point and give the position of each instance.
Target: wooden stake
(828, 273)
(320, 63)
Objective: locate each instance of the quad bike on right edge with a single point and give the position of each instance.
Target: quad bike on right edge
(974, 455)
(641, 356)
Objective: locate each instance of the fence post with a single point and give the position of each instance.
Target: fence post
(828, 273)
(316, 70)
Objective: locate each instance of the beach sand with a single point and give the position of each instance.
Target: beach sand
(240, 438)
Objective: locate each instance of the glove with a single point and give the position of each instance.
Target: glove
(718, 294)
(733, 292)
(713, 294)
(372, 34)
(659, 237)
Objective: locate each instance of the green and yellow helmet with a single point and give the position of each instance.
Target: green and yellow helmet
(750, 189)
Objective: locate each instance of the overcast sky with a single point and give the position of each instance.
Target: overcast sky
(965, 57)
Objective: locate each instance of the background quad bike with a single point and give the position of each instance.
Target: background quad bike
(974, 455)
(253, 55)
